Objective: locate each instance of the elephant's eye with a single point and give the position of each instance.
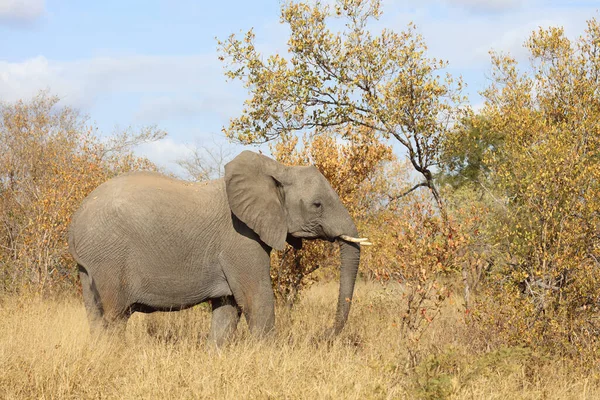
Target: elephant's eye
(317, 204)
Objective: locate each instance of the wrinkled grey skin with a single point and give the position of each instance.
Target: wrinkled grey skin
(145, 242)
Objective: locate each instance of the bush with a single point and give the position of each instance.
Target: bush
(539, 177)
(49, 161)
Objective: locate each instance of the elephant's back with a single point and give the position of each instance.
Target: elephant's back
(141, 210)
(120, 194)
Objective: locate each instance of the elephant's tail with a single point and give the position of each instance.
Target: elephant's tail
(91, 295)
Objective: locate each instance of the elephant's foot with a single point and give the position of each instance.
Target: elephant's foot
(261, 321)
(225, 318)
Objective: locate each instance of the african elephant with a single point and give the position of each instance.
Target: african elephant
(146, 242)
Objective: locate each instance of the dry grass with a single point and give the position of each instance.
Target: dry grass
(47, 352)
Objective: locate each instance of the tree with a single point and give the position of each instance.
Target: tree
(346, 77)
(463, 153)
(49, 161)
(205, 163)
(544, 175)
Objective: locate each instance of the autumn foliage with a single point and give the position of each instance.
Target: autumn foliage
(49, 161)
(336, 78)
(510, 214)
(541, 182)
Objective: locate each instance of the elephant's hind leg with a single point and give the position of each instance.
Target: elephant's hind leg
(91, 299)
(225, 318)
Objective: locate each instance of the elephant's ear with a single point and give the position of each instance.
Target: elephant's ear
(254, 196)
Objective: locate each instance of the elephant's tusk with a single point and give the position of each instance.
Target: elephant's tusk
(362, 241)
(353, 239)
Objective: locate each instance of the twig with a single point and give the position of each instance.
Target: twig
(418, 185)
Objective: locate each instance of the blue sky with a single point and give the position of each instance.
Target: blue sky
(154, 62)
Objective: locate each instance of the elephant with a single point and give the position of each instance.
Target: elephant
(145, 242)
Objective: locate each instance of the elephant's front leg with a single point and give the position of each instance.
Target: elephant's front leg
(260, 310)
(251, 287)
(247, 269)
(225, 318)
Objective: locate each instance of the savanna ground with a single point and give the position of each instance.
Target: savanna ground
(46, 351)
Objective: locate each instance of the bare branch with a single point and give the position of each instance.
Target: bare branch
(206, 163)
(409, 191)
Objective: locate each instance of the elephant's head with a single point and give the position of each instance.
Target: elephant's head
(292, 203)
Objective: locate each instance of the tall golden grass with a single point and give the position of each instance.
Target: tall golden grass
(46, 352)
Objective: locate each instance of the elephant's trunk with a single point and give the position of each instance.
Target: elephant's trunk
(349, 256)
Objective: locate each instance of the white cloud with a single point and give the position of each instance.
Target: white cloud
(165, 153)
(169, 85)
(465, 39)
(161, 107)
(24, 79)
(173, 87)
(512, 40)
(21, 10)
(181, 86)
(492, 6)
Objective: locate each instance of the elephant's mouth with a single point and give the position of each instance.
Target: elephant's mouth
(360, 241)
(305, 235)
